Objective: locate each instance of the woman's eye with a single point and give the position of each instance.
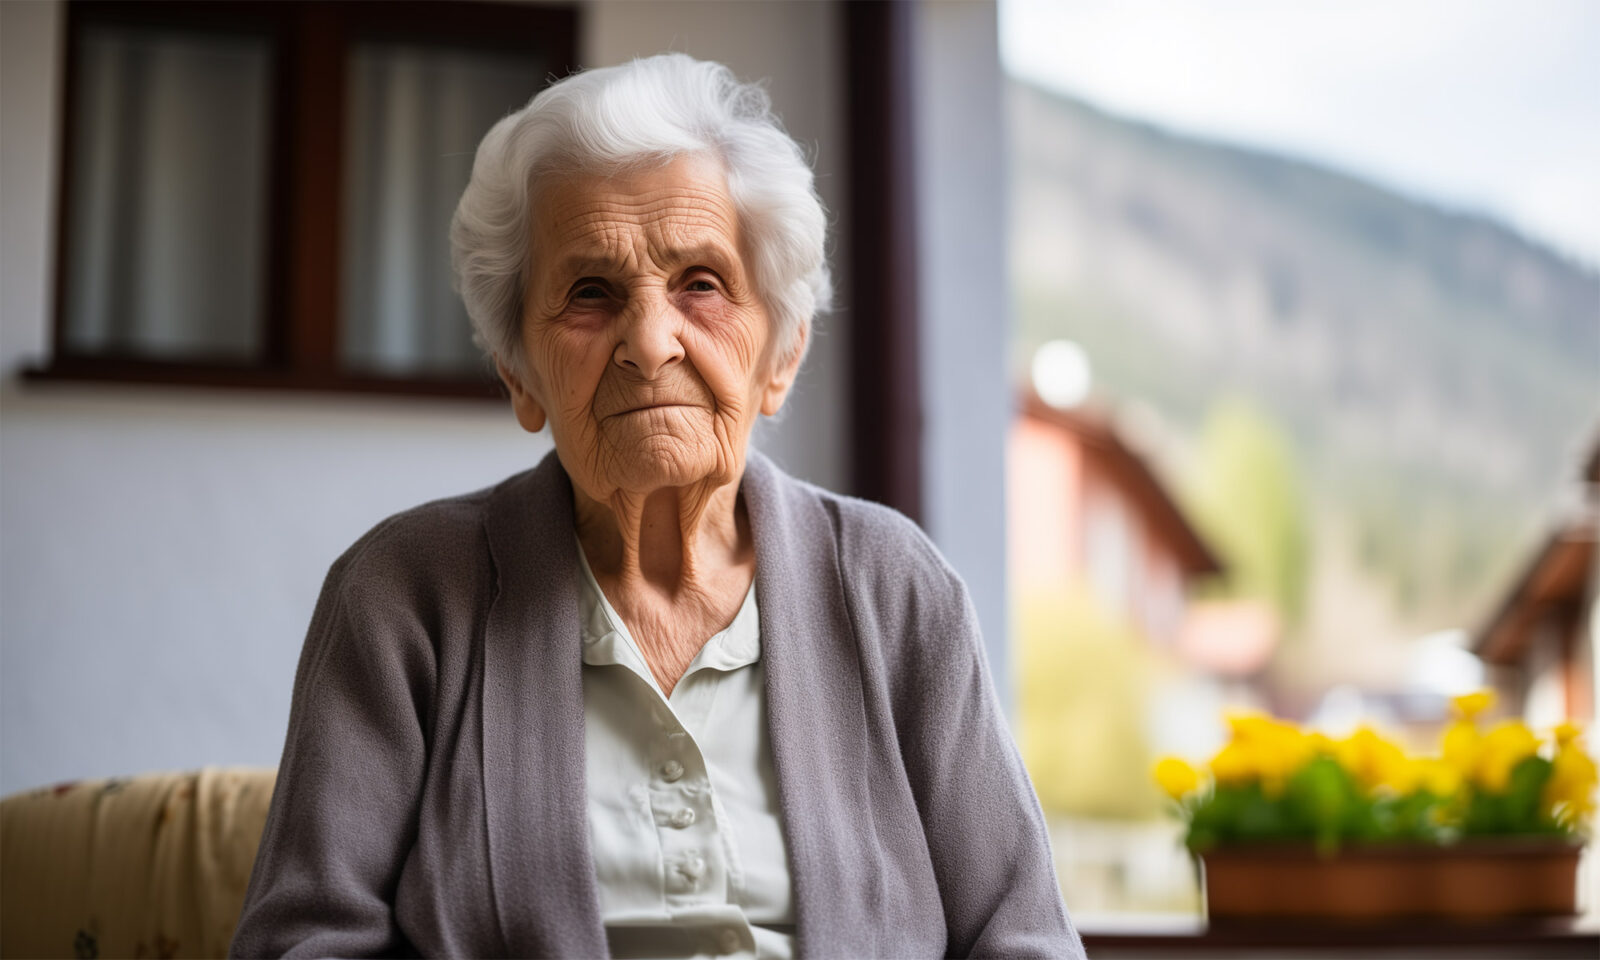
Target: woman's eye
(702, 286)
(590, 291)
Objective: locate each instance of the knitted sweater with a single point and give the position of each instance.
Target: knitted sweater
(431, 795)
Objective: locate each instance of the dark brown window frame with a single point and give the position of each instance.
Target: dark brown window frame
(885, 362)
(310, 44)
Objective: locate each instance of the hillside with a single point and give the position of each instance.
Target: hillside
(1439, 374)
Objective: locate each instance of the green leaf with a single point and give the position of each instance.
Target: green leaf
(1321, 798)
(1521, 805)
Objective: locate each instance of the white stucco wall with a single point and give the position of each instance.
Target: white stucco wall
(964, 299)
(161, 549)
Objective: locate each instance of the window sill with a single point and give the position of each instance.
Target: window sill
(264, 379)
(1563, 936)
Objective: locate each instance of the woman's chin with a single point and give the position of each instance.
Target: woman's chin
(663, 448)
(654, 461)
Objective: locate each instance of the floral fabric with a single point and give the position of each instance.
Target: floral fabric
(148, 866)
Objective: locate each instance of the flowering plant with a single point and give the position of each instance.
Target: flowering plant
(1274, 781)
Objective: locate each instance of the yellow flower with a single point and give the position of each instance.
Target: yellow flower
(1501, 750)
(1254, 727)
(1438, 777)
(1375, 762)
(1354, 754)
(1235, 763)
(1469, 705)
(1460, 747)
(1396, 771)
(1176, 778)
(1264, 749)
(1567, 733)
(1569, 793)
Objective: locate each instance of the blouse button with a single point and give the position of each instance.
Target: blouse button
(682, 818)
(671, 771)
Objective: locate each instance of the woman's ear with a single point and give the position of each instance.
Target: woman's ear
(530, 412)
(782, 379)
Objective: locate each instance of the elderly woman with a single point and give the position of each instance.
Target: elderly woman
(652, 697)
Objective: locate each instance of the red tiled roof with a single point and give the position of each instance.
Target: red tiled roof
(1129, 470)
(1553, 582)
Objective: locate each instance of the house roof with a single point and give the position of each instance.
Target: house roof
(1130, 472)
(1554, 581)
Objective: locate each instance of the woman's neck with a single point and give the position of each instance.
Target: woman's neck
(675, 563)
(667, 542)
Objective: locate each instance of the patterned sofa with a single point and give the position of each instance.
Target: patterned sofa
(148, 866)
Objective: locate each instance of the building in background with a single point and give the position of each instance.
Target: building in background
(1539, 643)
(1117, 659)
(1086, 509)
(186, 448)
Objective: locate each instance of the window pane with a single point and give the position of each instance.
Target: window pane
(415, 117)
(168, 188)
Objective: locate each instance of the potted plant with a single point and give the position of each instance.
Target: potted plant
(1286, 822)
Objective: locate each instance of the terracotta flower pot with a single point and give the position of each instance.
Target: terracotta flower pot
(1481, 877)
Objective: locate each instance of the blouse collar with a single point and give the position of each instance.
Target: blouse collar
(536, 802)
(607, 640)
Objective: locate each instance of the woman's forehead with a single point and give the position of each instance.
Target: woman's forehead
(677, 211)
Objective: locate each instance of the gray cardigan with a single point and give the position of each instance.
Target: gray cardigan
(431, 794)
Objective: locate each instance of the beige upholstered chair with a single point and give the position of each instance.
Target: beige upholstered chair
(147, 866)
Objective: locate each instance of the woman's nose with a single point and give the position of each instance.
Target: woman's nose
(649, 340)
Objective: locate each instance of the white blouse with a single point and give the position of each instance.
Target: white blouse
(688, 846)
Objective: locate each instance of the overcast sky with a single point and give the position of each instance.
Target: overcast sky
(1489, 105)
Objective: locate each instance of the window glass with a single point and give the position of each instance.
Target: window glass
(1317, 405)
(415, 116)
(167, 193)
(1110, 553)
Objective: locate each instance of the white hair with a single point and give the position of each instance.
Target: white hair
(654, 108)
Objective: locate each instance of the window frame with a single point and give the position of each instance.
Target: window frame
(310, 45)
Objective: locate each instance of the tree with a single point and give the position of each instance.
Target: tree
(1083, 680)
(1247, 499)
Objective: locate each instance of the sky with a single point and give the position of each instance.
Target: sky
(1491, 106)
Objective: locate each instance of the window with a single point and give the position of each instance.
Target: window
(260, 194)
(1108, 548)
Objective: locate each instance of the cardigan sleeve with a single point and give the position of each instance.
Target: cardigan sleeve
(343, 813)
(985, 830)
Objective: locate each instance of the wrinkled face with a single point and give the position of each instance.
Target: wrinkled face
(646, 347)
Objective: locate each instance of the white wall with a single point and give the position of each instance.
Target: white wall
(30, 40)
(160, 549)
(964, 299)
(796, 44)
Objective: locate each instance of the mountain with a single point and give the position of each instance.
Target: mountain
(1437, 372)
